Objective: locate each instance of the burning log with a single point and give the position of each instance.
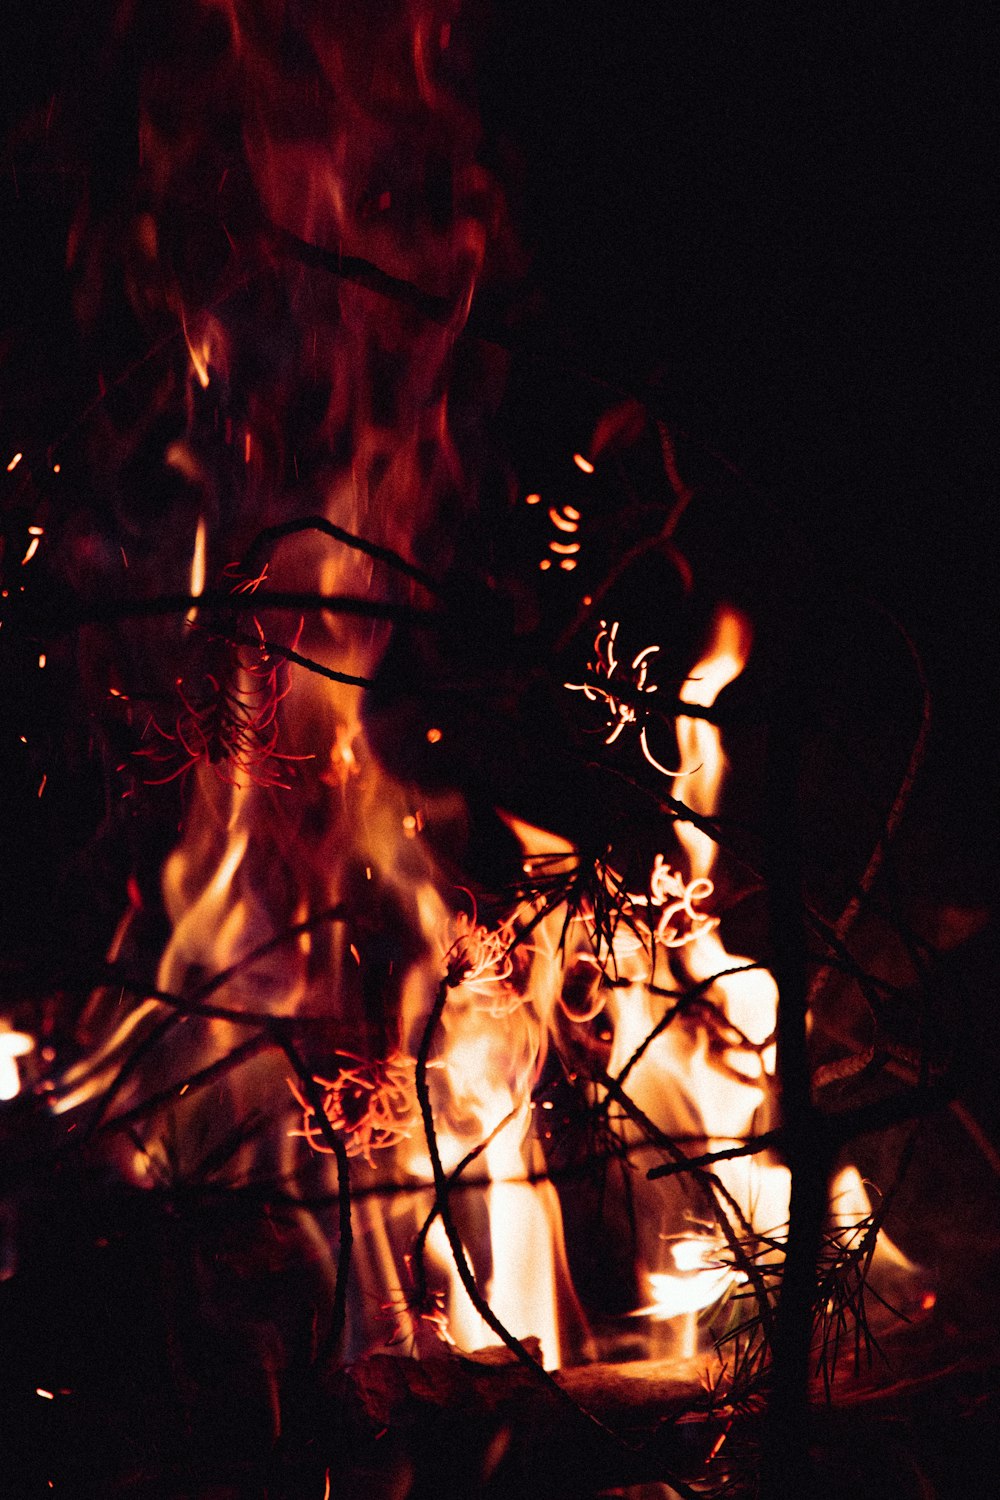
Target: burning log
(492, 1415)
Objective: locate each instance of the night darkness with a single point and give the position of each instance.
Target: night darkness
(772, 222)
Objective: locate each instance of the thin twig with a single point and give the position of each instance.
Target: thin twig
(417, 1254)
(62, 618)
(196, 1006)
(338, 1318)
(191, 1084)
(286, 653)
(713, 1188)
(267, 539)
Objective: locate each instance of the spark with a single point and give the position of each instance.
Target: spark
(433, 736)
(564, 548)
(41, 784)
(562, 520)
(532, 499)
(46, 1395)
(583, 464)
(42, 658)
(14, 462)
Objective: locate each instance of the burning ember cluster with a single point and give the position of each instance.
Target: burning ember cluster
(316, 942)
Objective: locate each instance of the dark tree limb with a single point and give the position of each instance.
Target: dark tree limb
(807, 1148)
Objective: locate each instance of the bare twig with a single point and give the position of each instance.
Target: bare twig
(267, 539)
(716, 1192)
(61, 618)
(297, 659)
(418, 1265)
(181, 1007)
(338, 1318)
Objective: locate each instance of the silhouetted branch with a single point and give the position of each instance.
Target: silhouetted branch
(266, 540)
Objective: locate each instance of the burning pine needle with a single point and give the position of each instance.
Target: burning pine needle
(621, 714)
(371, 1104)
(233, 724)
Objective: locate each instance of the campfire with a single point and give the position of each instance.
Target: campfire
(477, 1087)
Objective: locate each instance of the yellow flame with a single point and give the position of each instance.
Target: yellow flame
(13, 1044)
(196, 586)
(199, 357)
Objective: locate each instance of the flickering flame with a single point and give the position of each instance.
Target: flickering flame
(199, 357)
(749, 996)
(197, 582)
(13, 1044)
